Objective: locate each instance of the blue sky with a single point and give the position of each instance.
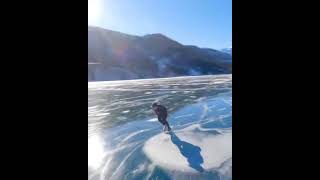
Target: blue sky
(204, 23)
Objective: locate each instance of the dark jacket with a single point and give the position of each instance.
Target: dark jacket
(161, 112)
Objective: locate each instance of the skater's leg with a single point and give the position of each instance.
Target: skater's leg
(168, 126)
(166, 123)
(160, 119)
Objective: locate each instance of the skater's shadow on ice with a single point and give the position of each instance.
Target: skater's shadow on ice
(189, 151)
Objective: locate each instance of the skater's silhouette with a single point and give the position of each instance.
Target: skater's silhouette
(162, 114)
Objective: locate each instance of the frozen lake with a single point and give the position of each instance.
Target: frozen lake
(125, 140)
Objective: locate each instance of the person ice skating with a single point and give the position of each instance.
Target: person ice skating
(162, 114)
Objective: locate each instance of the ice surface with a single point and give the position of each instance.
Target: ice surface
(126, 141)
(153, 120)
(190, 149)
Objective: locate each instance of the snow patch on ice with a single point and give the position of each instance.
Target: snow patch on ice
(139, 169)
(153, 120)
(190, 149)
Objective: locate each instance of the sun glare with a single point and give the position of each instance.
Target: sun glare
(95, 151)
(94, 11)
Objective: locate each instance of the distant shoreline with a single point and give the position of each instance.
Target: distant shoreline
(176, 77)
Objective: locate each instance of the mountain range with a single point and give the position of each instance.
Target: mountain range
(227, 50)
(114, 55)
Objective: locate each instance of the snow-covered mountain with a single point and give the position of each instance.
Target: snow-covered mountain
(227, 50)
(117, 56)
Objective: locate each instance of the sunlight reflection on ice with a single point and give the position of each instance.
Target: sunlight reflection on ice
(95, 151)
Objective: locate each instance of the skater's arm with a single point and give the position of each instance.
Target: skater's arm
(157, 111)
